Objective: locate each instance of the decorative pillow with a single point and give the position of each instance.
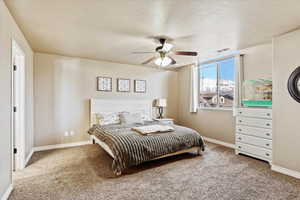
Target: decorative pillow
(107, 118)
(146, 117)
(131, 118)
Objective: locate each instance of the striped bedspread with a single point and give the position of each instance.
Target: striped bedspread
(131, 148)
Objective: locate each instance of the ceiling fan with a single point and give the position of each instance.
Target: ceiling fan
(163, 51)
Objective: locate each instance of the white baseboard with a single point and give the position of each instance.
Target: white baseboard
(285, 171)
(219, 142)
(7, 192)
(59, 146)
(28, 157)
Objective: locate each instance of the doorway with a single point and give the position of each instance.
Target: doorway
(18, 107)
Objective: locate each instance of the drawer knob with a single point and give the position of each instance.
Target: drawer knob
(240, 120)
(267, 124)
(239, 147)
(240, 112)
(267, 134)
(267, 144)
(268, 114)
(267, 154)
(240, 138)
(240, 129)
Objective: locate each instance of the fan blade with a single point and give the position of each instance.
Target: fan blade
(141, 52)
(186, 53)
(173, 61)
(149, 60)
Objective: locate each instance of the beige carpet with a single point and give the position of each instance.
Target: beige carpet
(84, 173)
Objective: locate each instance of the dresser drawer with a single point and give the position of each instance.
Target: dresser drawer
(254, 131)
(248, 121)
(255, 112)
(261, 142)
(258, 151)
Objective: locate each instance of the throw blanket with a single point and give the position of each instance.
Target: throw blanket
(144, 130)
(130, 148)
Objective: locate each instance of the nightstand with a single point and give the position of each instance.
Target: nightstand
(165, 120)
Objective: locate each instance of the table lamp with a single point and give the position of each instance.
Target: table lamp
(160, 103)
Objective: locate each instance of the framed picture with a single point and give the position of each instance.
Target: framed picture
(104, 84)
(123, 85)
(140, 86)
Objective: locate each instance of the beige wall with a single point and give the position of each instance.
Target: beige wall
(220, 124)
(64, 85)
(286, 143)
(258, 62)
(9, 30)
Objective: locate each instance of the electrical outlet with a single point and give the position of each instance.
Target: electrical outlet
(66, 133)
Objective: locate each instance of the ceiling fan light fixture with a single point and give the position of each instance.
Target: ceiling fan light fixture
(163, 51)
(165, 61)
(167, 47)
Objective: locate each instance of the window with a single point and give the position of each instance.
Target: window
(216, 84)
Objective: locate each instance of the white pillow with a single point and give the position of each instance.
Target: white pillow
(131, 118)
(107, 118)
(146, 117)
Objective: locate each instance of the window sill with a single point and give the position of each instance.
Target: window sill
(217, 109)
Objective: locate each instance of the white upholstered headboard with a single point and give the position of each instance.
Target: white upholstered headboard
(119, 105)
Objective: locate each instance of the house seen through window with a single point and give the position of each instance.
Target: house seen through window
(216, 84)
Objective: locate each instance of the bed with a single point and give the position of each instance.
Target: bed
(129, 148)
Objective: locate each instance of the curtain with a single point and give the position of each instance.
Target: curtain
(239, 77)
(193, 88)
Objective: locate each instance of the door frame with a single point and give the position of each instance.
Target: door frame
(18, 100)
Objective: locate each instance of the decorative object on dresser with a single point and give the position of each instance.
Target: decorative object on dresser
(140, 86)
(257, 93)
(123, 85)
(254, 133)
(165, 120)
(104, 84)
(294, 84)
(160, 103)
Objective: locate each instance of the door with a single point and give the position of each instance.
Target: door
(14, 114)
(18, 99)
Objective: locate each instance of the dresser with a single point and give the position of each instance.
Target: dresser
(254, 133)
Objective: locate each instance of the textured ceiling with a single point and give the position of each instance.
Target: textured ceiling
(111, 29)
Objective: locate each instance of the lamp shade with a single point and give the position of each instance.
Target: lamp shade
(165, 61)
(161, 103)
